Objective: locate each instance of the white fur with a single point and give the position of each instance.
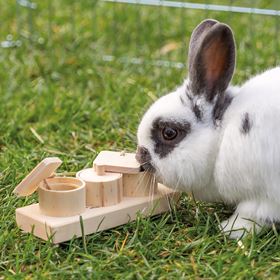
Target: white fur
(222, 163)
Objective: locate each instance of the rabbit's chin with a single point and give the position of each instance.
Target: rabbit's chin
(174, 178)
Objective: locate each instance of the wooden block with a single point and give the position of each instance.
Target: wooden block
(119, 162)
(30, 219)
(42, 171)
(101, 190)
(62, 196)
(140, 184)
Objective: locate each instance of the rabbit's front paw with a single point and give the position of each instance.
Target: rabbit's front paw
(237, 227)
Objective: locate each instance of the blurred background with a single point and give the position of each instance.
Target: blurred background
(76, 76)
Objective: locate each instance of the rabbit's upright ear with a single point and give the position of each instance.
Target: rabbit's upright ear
(211, 59)
(197, 35)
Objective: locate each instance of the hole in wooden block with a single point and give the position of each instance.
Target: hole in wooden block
(62, 197)
(140, 184)
(101, 190)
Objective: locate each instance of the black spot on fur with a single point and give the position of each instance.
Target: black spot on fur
(182, 101)
(188, 93)
(195, 108)
(220, 107)
(197, 112)
(246, 124)
(162, 146)
(188, 88)
(143, 156)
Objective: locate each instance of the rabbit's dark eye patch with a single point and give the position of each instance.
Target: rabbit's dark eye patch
(168, 134)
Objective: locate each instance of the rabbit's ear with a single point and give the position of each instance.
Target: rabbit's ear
(212, 59)
(198, 33)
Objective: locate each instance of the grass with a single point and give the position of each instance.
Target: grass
(58, 98)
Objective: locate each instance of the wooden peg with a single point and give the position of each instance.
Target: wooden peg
(46, 184)
(100, 170)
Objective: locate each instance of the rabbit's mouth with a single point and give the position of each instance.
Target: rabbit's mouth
(147, 166)
(143, 156)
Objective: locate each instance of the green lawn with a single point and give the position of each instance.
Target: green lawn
(59, 98)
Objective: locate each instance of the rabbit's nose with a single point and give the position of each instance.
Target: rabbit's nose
(142, 155)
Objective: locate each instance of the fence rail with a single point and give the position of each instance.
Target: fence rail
(27, 13)
(198, 6)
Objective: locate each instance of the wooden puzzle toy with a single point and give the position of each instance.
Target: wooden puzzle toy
(109, 194)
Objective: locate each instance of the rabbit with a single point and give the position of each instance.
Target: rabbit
(219, 142)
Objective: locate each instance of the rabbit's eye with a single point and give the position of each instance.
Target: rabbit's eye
(169, 133)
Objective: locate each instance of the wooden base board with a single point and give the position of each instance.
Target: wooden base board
(60, 229)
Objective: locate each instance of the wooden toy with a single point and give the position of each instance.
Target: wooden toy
(140, 184)
(135, 183)
(103, 189)
(109, 194)
(62, 197)
(58, 196)
(120, 162)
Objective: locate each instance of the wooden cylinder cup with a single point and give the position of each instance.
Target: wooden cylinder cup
(62, 196)
(101, 190)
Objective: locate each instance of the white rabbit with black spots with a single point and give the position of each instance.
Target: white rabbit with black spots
(218, 142)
